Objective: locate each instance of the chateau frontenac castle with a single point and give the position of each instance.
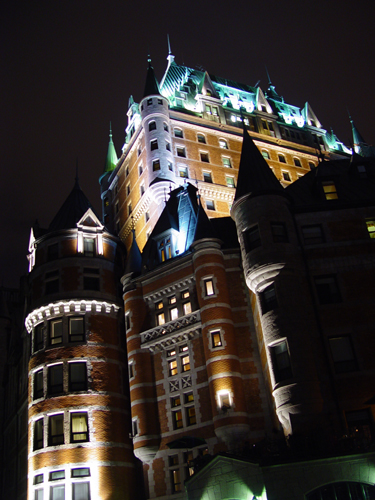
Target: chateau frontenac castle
(210, 335)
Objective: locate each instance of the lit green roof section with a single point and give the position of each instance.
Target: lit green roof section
(111, 160)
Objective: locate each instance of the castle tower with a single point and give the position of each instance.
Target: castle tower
(275, 273)
(79, 421)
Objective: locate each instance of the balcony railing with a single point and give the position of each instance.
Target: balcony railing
(178, 330)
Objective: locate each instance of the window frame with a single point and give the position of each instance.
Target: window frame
(79, 414)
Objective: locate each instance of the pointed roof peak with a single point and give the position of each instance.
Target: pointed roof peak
(170, 57)
(111, 158)
(134, 258)
(254, 176)
(152, 85)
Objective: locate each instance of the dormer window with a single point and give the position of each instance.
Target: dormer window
(89, 247)
(165, 249)
(329, 189)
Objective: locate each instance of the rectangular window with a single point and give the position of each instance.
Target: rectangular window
(286, 176)
(167, 145)
(38, 384)
(173, 370)
(201, 138)
(282, 159)
(160, 319)
(251, 238)
(79, 429)
(154, 144)
(207, 177)
(142, 189)
(173, 313)
(281, 361)
(226, 162)
(147, 216)
(265, 154)
(297, 162)
(152, 126)
(128, 190)
(181, 151)
(55, 379)
(178, 133)
(175, 401)
(140, 170)
(38, 495)
(371, 227)
(187, 308)
(190, 415)
(76, 330)
(185, 363)
(327, 289)
(268, 299)
(56, 430)
(149, 102)
(177, 419)
(57, 492)
(205, 158)
(229, 182)
(166, 128)
(209, 287)
(52, 282)
(91, 279)
(224, 400)
(81, 491)
(38, 434)
(342, 354)
(89, 243)
(155, 165)
(81, 472)
(56, 475)
(38, 337)
(313, 235)
(210, 204)
(223, 144)
(329, 189)
(279, 232)
(183, 172)
(216, 339)
(53, 252)
(56, 332)
(38, 479)
(77, 377)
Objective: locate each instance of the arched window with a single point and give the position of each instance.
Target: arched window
(343, 491)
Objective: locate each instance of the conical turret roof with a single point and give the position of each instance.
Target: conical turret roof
(254, 176)
(134, 260)
(152, 85)
(72, 210)
(111, 159)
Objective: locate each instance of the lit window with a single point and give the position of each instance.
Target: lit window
(176, 401)
(313, 234)
(156, 165)
(207, 177)
(297, 162)
(371, 228)
(173, 369)
(185, 295)
(268, 299)
(209, 287)
(251, 238)
(183, 172)
(281, 361)
(286, 176)
(165, 249)
(229, 181)
(226, 162)
(160, 319)
(205, 158)
(56, 475)
(79, 428)
(55, 379)
(265, 154)
(56, 430)
(177, 419)
(210, 204)
(154, 144)
(77, 376)
(181, 151)
(267, 125)
(223, 144)
(282, 159)
(187, 308)
(38, 434)
(173, 313)
(76, 330)
(38, 384)
(342, 354)
(152, 126)
(89, 244)
(201, 138)
(185, 363)
(216, 339)
(190, 415)
(224, 400)
(329, 189)
(176, 479)
(56, 332)
(81, 491)
(327, 289)
(178, 133)
(279, 232)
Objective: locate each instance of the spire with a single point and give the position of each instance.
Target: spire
(111, 159)
(271, 91)
(254, 175)
(134, 260)
(170, 57)
(152, 85)
(360, 145)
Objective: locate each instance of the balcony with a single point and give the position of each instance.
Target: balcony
(179, 330)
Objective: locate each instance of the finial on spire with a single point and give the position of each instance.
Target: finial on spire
(169, 46)
(110, 130)
(170, 57)
(268, 76)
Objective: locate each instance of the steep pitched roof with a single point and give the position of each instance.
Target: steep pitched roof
(254, 176)
(111, 159)
(71, 211)
(152, 85)
(134, 260)
(360, 145)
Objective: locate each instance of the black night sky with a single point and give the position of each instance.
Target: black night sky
(70, 66)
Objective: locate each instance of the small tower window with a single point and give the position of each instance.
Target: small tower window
(154, 144)
(165, 249)
(251, 238)
(268, 299)
(156, 165)
(281, 361)
(209, 287)
(152, 126)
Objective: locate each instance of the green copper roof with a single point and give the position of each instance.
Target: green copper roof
(111, 160)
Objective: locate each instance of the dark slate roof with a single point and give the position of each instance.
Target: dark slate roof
(225, 229)
(204, 227)
(152, 85)
(134, 259)
(71, 211)
(353, 187)
(254, 175)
